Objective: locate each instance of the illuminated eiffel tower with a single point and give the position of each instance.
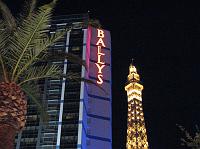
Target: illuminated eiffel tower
(136, 131)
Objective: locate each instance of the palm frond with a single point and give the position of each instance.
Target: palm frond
(31, 29)
(32, 90)
(27, 9)
(76, 77)
(7, 15)
(32, 6)
(1, 76)
(94, 23)
(3, 41)
(4, 74)
(70, 57)
(3, 36)
(189, 140)
(39, 51)
(40, 72)
(75, 59)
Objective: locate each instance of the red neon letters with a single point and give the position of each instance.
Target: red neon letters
(100, 64)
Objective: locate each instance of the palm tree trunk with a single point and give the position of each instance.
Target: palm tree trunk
(7, 136)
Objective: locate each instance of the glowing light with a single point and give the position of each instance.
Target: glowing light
(100, 67)
(100, 41)
(100, 64)
(100, 33)
(100, 80)
(136, 131)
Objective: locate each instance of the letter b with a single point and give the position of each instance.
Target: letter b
(100, 33)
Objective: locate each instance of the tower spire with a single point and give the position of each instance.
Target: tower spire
(136, 131)
(132, 61)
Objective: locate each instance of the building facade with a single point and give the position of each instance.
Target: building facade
(80, 114)
(136, 131)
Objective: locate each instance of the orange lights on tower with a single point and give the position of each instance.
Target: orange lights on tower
(136, 131)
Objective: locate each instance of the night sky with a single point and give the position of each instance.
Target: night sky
(164, 39)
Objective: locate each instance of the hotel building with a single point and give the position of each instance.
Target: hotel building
(80, 114)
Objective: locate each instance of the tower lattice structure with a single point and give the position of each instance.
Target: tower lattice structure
(136, 131)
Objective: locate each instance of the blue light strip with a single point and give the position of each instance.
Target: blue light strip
(62, 96)
(111, 97)
(82, 88)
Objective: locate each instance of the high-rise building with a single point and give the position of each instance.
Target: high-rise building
(79, 112)
(136, 131)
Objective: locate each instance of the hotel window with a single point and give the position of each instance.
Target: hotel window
(75, 48)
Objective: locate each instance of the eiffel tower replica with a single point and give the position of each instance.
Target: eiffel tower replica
(136, 131)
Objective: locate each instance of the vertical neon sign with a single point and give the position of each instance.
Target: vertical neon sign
(100, 64)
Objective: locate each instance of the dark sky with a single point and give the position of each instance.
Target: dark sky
(164, 39)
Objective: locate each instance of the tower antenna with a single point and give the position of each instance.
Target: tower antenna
(132, 61)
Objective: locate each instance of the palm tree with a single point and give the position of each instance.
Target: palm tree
(190, 141)
(23, 44)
